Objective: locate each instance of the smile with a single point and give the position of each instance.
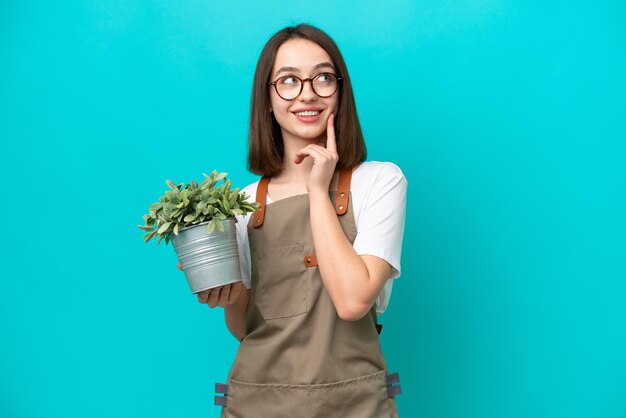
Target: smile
(308, 113)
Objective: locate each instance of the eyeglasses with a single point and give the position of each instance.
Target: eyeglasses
(289, 87)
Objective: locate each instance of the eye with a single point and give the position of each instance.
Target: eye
(288, 79)
(324, 77)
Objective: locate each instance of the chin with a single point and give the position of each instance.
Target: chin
(310, 133)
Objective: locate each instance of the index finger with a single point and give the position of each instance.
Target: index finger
(331, 143)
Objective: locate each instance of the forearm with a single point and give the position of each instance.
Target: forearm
(344, 274)
(235, 315)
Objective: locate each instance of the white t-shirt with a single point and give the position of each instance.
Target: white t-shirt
(379, 205)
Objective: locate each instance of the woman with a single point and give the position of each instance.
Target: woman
(319, 256)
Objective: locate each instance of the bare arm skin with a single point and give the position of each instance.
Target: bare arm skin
(353, 282)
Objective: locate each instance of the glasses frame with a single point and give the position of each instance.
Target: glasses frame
(304, 80)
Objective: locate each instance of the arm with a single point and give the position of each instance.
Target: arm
(353, 282)
(235, 314)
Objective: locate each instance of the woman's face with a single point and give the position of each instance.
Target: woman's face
(304, 59)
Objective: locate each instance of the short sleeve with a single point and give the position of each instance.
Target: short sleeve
(243, 247)
(380, 227)
(243, 243)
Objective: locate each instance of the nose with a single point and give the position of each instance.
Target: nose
(307, 93)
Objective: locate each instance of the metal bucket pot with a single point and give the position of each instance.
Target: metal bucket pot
(208, 260)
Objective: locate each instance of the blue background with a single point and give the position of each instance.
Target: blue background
(507, 118)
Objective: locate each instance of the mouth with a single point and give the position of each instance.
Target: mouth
(308, 116)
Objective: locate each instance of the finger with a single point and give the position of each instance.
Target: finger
(203, 296)
(180, 266)
(331, 142)
(313, 150)
(235, 291)
(320, 155)
(213, 297)
(303, 153)
(300, 156)
(223, 299)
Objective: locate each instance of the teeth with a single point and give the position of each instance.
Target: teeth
(308, 113)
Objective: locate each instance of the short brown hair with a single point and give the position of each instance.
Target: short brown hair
(265, 141)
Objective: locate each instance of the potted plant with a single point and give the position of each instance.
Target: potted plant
(200, 220)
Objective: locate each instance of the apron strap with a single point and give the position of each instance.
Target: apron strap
(261, 199)
(343, 191)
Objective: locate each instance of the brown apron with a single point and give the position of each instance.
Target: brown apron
(298, 358)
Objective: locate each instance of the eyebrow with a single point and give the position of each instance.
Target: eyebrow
(294, 69)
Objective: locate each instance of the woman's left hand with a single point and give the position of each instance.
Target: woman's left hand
(324, 160)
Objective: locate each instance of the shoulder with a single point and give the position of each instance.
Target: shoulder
(381, 173)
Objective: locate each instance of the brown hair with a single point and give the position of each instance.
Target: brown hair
(265, 141)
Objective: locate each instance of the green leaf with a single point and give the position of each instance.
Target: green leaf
(175, 230)
(147, 237)
(146, 228)
(233, 198)
(210, 226)
(189, 218)
(220, 226)
(171, 185)
(164, 227)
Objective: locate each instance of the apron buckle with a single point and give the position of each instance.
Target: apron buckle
(393, 390)
(221, 400)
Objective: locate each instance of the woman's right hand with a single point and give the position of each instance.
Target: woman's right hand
(220, 296)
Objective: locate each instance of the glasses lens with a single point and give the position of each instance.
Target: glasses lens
(288, 87)
(325, 84)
